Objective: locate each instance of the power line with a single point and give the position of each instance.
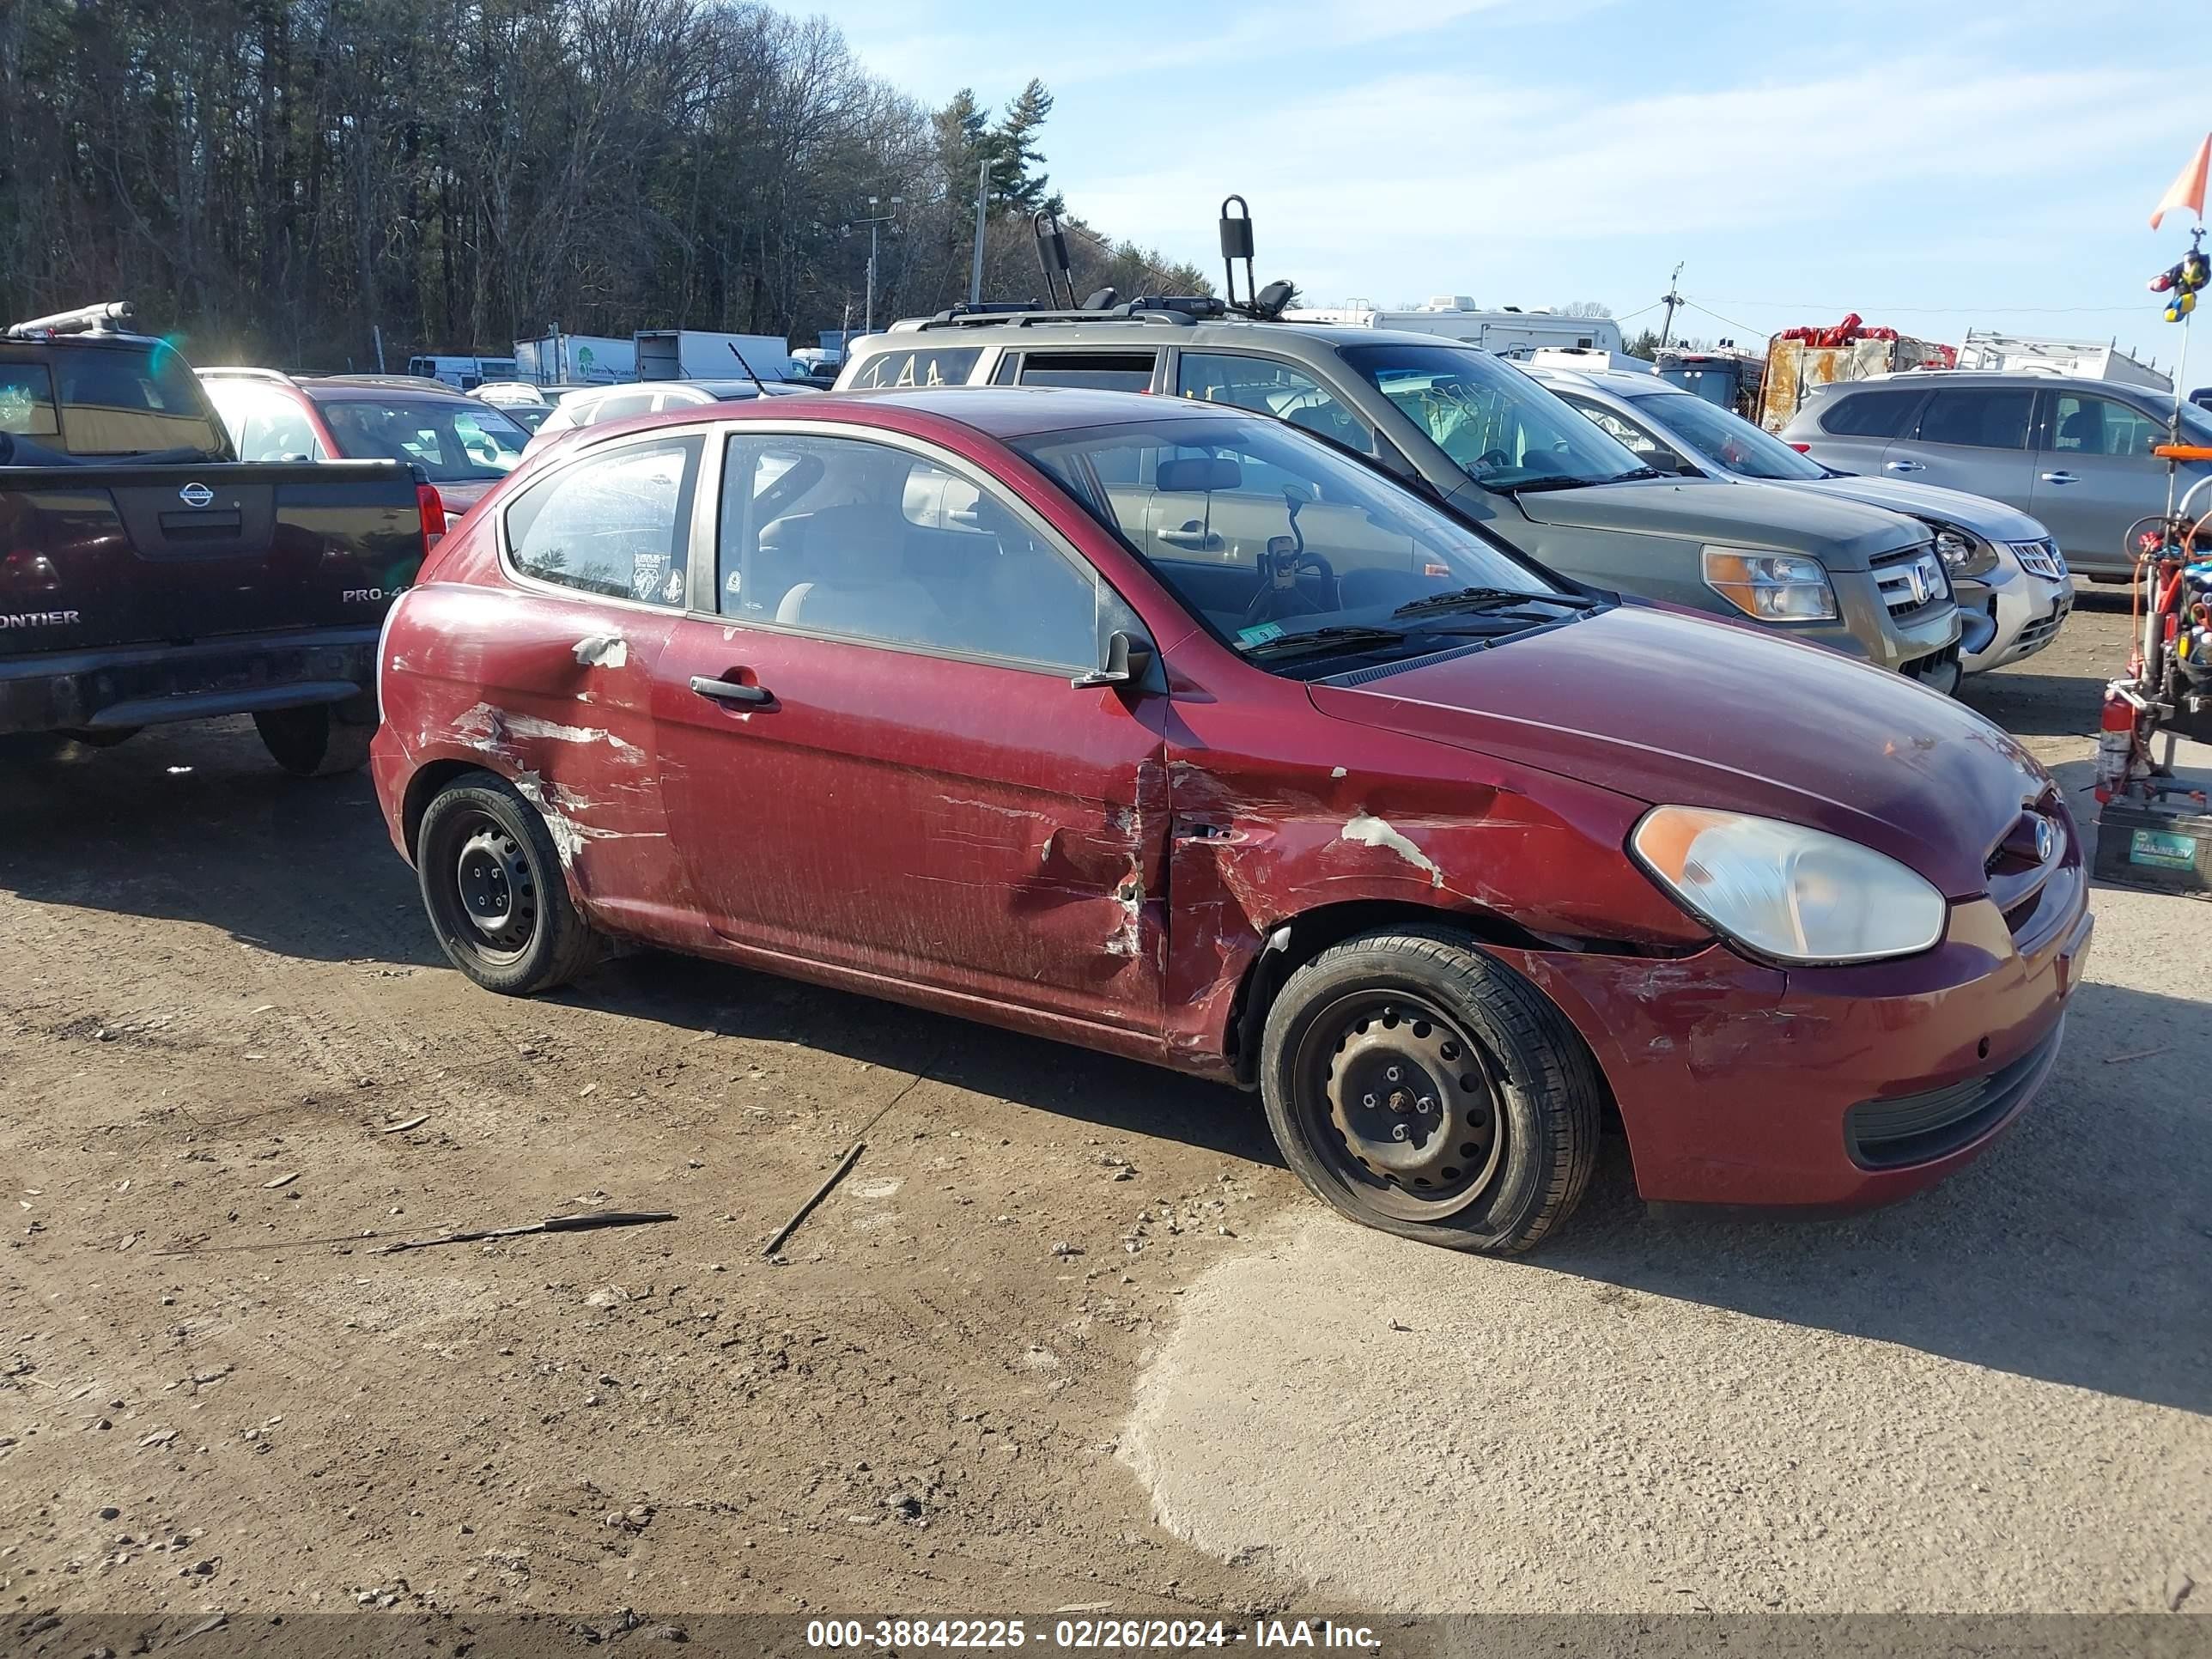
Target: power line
(1864, 308)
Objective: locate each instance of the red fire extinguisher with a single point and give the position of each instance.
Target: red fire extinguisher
(2116, 743)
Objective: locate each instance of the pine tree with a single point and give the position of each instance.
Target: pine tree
(1018, 176)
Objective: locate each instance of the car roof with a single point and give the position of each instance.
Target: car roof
(1986, 377)
(1621, 383)
(1004, 413)
(330, 387)
(1317, 339)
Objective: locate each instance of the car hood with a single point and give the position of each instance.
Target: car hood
(1843, 535)
(1992, 520)
(1666, 707)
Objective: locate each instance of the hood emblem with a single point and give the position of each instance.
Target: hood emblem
(2046, 840)
(196, 493)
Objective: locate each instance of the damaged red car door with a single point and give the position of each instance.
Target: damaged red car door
(875, 761)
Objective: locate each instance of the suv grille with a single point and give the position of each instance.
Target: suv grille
(1911, 580)
(2041, 559)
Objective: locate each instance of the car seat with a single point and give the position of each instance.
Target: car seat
(2083, 431)
(855, 563)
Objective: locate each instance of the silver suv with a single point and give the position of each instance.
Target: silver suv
(2006, 572)
(2074, 454)
(1480, 437)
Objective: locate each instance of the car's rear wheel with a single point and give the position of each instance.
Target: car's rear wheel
(1424, 1088)
(322, 740)
(493, 886)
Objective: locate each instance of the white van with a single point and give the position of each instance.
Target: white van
(462, 373)
(1509, 332)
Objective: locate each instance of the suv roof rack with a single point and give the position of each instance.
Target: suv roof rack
(1173, 310)
(242, 372)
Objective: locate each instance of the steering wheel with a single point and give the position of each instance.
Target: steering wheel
(1494, 457)
(1283, 580)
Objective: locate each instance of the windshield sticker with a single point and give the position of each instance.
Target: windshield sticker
(1261, 635)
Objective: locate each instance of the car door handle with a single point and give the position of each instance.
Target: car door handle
(2059, 477)
(1904, 466)
(728, 691)
(1205, 541)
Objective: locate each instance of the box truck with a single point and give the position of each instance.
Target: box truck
(692, 353)
(558, 359)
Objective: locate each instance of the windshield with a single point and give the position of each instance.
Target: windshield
(1290, 551)
(1497, 426)
(1726, 439)
(452, 442)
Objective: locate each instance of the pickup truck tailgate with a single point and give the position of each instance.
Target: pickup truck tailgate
(123, 554)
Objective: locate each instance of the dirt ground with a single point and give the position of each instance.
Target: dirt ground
(222, 1004)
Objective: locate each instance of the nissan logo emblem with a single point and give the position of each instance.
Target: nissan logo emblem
(2046, 840)
(196, 495)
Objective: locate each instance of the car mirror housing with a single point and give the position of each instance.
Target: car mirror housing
(1128, 659)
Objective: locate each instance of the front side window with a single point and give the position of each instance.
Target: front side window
(1267, 385)
(613, 524)
(1497, 426)
(1101, 371)
(1296, 555)
(875, 543)
(923, 365)
(1871, 414)
(1977, 417)
(2098, 425)
(452, 442)
(1726, 439)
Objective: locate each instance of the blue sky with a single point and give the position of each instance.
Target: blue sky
(1932, 165)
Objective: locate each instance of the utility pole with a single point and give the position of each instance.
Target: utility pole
(875, 225)
(983, 207)
(1666, 329)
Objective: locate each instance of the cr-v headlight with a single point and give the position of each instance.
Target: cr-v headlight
(1786, 892)
(1965, 554)
(1771, 586)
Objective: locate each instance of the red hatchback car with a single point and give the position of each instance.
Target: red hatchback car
(1173, 732)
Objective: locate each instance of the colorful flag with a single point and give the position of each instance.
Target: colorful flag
(2187, 190)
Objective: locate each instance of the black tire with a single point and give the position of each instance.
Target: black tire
(1419, 1086)
(322, 741)
(482, 848)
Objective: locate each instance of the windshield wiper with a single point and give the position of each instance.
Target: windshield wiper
(1542, 480)
(1636, 472)
(1486, 598)
(1337, 635)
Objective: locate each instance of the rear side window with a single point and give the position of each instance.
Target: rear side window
(1980, 417)
(27, 401)
(1871, 414)
(616, 407)
(1100, 371)
(2098, 426)
(922, 366)
(615, 523)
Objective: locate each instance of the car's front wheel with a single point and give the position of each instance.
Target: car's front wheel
(1422, 1087)
(493, 886)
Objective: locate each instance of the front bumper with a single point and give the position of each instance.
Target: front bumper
(122, 687)
(2028, 611)
(1829, 1088)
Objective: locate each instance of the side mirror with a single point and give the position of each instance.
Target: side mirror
(1127, 660)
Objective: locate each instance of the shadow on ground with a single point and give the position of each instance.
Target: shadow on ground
(2077, 1251)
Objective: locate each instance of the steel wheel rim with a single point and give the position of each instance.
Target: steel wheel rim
(492, 888)
(1401, 1104)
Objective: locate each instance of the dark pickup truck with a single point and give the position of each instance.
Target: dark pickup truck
(147, 577)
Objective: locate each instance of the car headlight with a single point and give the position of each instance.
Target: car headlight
(1963, 553)
(1771, 586)
(1785, 892)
